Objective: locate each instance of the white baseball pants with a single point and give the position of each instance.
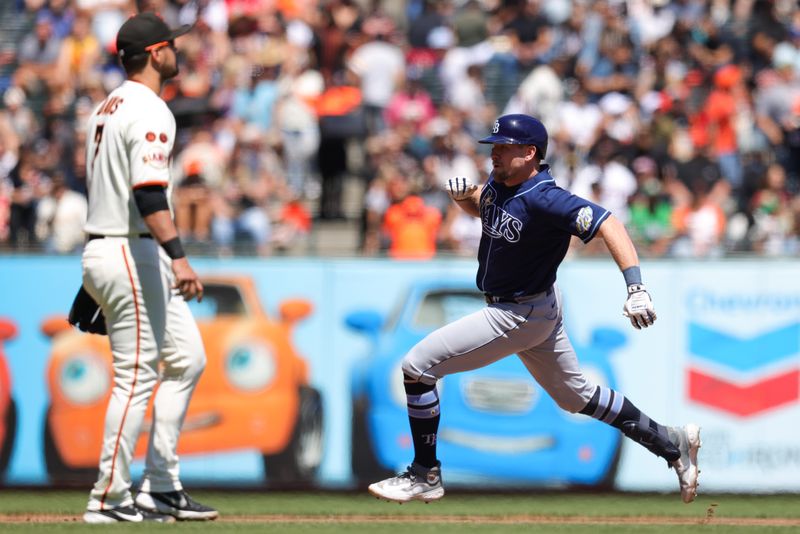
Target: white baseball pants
(148, 325)
(532, 329)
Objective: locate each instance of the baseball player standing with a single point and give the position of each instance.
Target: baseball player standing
(135, 268)
(527, 224)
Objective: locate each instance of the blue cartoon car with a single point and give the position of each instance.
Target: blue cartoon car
(498, 425)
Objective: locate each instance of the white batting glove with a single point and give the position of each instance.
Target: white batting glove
(639, 307)
(459, 188)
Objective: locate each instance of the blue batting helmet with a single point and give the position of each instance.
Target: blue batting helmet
(518, 129)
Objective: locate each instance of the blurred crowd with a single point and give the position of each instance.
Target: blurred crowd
(682, 117)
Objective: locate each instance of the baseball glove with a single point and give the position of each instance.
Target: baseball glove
(86, 314)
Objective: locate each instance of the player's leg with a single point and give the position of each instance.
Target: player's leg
(469, 343)
(184, 359)
(123, 276)
(555, 367)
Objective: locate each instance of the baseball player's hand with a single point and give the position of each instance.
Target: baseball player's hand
(459, 188)
(639, 307)
(186, 280)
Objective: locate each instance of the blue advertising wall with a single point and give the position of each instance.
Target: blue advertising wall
(724, 353)
(36, 287)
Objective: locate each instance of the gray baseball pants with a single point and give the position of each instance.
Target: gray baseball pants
(532, 328)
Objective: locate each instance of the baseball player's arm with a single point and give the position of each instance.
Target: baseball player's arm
(465, 194)
(619, 243)
(639, 306)
(152, 204)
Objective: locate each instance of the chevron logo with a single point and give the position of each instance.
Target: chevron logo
(744, 355)
(744, 401)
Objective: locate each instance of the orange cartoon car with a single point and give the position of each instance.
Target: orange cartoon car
(253, 395)
(8, 409)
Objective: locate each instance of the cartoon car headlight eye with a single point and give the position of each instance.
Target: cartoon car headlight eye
(250, 366)
(595, 376)
(396, 389)
(84, 379)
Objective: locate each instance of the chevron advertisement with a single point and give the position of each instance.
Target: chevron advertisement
(724, 353)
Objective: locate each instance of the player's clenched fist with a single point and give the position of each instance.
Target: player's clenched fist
(460, 188)
(186, 280)
(639, 307)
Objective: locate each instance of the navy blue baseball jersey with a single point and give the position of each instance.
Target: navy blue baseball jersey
(526, 233)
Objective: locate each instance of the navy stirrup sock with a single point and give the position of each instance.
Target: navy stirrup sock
(613, 408)
(423, 416)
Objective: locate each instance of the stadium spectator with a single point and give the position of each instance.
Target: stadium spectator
(773, 218)
(38, 53)
(778, 110)
(192, 204)
(79, 52)
(28, 183)
(60, 216)
(650, 210)
(379, 65)
(411, 104)
(412, 229)
(699, 223)
(608, 173)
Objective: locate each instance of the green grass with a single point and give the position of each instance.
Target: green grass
(330, 512)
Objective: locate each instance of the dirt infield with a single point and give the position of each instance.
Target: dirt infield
(710, 519)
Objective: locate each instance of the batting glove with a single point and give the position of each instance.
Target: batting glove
(460, 189)
(639, 307)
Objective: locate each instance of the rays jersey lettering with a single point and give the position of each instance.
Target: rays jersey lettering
(497, 222)
(526, 233)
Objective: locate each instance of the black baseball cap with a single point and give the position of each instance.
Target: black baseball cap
(143, 30)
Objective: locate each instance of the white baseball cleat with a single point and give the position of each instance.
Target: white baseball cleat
(125, 514)
(416, 484)
(688, 441)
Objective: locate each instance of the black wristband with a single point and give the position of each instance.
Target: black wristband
(174, 248)
(632, 275)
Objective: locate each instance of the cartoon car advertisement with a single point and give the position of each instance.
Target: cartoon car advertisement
(254, 394)
(497, 423)
(8, 407)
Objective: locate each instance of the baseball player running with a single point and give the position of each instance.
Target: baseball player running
(135, 268)
(527, 224)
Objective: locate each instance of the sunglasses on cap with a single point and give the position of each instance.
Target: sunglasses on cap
(160, 45)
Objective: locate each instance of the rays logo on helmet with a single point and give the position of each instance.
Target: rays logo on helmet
(496, 127)
(584, 220)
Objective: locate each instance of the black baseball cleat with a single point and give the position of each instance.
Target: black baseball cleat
(125, 514)
(177, 504)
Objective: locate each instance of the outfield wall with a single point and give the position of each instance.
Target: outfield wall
(725, 353)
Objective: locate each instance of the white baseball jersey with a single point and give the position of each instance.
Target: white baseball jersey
(130, 139)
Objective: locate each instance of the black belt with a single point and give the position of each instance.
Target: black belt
(493, 299)
(98, 236)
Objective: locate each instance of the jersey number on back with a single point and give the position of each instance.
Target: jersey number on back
(98, 135)
(108, 107)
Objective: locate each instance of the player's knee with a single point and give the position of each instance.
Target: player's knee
(198, 364)
(412, 372)
(572, 402)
